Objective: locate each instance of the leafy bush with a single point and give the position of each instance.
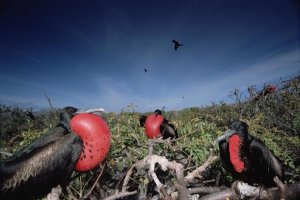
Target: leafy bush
(274, 118)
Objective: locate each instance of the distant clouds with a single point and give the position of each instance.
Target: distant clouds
(94, 54)
(116, 94)
(35, 98)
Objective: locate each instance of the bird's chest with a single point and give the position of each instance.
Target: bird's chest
(238, 153)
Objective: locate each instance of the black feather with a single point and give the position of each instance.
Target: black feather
(36, 169)
(143, 120)
(261, 165)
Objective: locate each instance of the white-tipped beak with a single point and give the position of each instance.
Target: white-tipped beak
(225, 136)
(92, 110)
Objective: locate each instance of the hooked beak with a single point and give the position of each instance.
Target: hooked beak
(225, 136)
(92, 111)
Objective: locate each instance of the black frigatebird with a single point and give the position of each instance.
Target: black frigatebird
(247, 158)
(157, 126)
(49, 161)
(176, 44)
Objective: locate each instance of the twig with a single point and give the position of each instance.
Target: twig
(241, 190)
(118, 195)
(127, 177)
(196, 173)
(92, 188)
(209, 181)
(149, 163)
(224, 194)
(6, 153)
(70, 194)
(281, 187)
(49, 100)
(205, 190)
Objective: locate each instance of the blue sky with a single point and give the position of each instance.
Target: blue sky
(92, 53)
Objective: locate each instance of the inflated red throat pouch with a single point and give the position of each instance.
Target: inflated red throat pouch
(234, 151)
(95, 135)
(152, 126)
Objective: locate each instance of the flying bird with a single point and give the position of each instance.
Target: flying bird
(176, 44)
(145, 70)
(156, 126)
(49, 161)
(247, 158)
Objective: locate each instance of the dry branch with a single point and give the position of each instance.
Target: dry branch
(148, 163)
(206, 190)
(93, 186)
(49, 100)
(6, 153)
(118, 195)
(70, 194)
(224, 194)
(55, 193)
(241, 190)
(196, 173)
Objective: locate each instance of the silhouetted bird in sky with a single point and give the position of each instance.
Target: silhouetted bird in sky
(145, 70)
(176, 44)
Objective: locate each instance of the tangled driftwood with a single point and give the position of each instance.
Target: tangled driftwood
(180, 190)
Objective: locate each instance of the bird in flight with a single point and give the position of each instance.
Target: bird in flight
(145, 70)
(176, 44)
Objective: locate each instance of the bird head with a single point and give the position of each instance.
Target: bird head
(235, 127)
(95, 135)
(239, 126)
(225, 136)
(70, 110)
(157, 112)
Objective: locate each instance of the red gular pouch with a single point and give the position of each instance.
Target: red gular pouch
(234, 151)
(271, 88)
(152, 126)
(95, 135)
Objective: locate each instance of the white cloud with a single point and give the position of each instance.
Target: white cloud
(264, 71)
(35, 94)
(117, 94)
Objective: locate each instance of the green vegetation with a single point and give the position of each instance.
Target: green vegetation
(274, 118)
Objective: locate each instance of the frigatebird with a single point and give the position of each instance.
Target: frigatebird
(247, 158)
(49, 161)
(157, 126)
(269, 89)
(176, 44)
